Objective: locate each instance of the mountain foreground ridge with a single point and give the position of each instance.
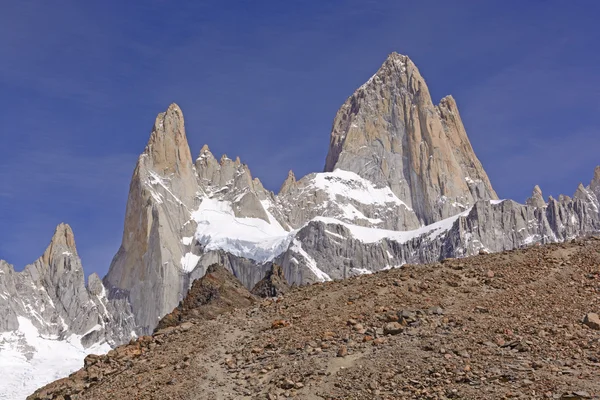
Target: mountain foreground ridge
(401, 185)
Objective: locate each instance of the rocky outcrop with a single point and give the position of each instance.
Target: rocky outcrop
(390, 133)
(217, 292)
(273, 284)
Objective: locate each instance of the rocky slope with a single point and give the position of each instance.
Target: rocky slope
(515, 324)
(49, 318)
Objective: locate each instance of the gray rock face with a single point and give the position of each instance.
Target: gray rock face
(162, 196)
(52, 294)
(339, 252)
(273, 284)
(537, 198)
(390, 133)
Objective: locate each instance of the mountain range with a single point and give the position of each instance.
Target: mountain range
(401, 185)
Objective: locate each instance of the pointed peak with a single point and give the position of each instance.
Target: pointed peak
(238, 161)
(397, 61)
(205, 153)
(581, 193)
(173, 107)
(62, 243)
(291, 176)
(167, 149)
(395, 56)
(224, 159)
(289, 182)
(537, 198)
(63, 235)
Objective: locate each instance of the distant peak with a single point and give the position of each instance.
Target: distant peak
(397, 60)
(173, 107)
(62, 242)
(597, 174)
(397, 56)
(537, 198)
(167, 147)
(63, 235)
(205, 154)
(289, 182)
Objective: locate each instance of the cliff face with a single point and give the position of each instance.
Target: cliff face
(390, 133)
(162, 196)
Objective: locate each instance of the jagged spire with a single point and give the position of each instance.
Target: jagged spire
(537, 198)
(289, 182)
(63, 241)
(168, 148)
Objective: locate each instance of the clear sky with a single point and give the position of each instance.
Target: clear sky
(81, 83)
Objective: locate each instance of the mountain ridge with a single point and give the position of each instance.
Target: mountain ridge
(184, 214)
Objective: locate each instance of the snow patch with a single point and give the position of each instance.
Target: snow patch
(29, 361)
(372, 235)
(219, 229)
(350, 185)
(189, 261)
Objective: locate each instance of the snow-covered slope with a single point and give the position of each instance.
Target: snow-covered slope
(29, 359)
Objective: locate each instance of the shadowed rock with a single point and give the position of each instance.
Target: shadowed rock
(215, 293)
(273, 284)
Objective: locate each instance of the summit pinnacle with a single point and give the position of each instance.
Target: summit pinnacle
(390, 133)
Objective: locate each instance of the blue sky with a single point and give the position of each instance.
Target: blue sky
(81, 84)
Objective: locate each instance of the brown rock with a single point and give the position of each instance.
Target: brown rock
(592, 320)
(392, 328)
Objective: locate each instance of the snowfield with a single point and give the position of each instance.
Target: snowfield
(29, 361)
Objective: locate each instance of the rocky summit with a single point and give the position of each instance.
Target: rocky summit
(515, 324)
(401, 186)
